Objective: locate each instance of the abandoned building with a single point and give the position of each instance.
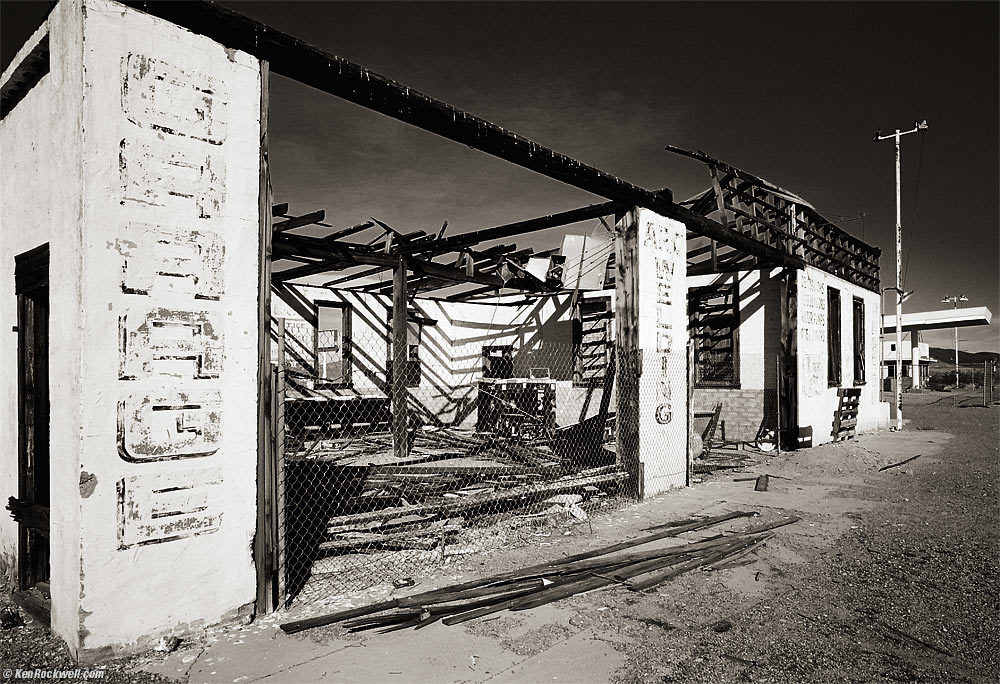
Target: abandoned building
(220, 400)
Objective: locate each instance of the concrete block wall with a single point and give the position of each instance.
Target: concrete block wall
(744, 411)
(170, 253)
(651, 335)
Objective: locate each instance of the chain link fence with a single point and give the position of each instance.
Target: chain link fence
(503, 440)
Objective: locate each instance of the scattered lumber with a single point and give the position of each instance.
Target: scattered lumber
(896, 465)
(538, 585)
(527, 494)
(755, 477)
(427, 538)
(767, 527)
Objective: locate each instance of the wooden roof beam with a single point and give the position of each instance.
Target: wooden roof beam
(295, 59)
(299, 221)
(456, 242)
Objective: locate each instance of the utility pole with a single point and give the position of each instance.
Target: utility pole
(955, 299)
(899, 265)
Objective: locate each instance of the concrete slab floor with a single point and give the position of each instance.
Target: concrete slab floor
(581, 639)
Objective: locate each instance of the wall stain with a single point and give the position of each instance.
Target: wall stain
(88, 483)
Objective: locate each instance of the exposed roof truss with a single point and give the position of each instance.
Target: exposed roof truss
(766, 213)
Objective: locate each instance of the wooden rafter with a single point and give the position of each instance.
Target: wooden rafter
(773, 216)
(299, 221)
(329, 73)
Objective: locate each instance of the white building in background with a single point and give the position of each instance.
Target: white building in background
(914, 352)
(919, 355)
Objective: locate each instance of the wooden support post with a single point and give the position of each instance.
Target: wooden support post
(266, 534)
(399, 356)
(690, 410)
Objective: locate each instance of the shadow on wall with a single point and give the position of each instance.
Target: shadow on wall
(449, 354)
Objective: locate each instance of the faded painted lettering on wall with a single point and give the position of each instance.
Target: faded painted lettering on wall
(170, 340)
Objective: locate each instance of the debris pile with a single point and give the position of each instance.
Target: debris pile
(541, 584)
(353, 497)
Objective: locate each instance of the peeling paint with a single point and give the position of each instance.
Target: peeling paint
(153, 509)
(185, 179)
(158, 260)
(164, 425)
(178, 102)
(169, 342)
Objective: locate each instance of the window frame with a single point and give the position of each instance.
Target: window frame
(347, 314)
(858, 348)
(834, 338)
(727, 287)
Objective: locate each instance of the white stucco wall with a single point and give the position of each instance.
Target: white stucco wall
(817, 401)
(451, 351)
(171, 135)
(651, 321)
(41, 155)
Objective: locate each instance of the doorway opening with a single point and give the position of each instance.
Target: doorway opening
(31, 507)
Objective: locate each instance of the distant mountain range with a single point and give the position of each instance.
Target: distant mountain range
(948, 356)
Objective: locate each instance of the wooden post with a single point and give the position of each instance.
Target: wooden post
(399, 356)
(263, 546)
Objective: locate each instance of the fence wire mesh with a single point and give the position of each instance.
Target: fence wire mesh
(501, 441)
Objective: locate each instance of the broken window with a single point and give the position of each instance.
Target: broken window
(833, 353)
(859, 341)
(713, 320)
(333, 343)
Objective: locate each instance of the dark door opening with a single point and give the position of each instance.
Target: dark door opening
(31, 507)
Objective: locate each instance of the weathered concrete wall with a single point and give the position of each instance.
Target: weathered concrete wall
(370, 346)
(171, 135)
(651, 320)
(451, 351)
(817, 401)
(41, 155)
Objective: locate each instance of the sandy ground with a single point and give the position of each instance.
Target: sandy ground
(890, 576)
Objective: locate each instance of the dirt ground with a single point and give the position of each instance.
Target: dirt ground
(889, 576)
(909, 593)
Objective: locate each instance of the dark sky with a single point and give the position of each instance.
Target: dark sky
(792, 92)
